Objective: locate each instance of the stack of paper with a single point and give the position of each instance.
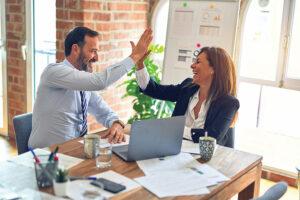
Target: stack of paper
(190, 147)
(78, 189)
(178, 175)
(26, 194)
(26, 159)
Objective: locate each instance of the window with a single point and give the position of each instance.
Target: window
(269, 73)
(159, 26)
(44, 38)
(293, 66)
(260, 41)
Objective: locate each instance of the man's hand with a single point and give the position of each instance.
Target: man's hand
(140, 63)
(115, 134)
(139, 50)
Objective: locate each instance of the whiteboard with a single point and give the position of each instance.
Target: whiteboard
(193, 24)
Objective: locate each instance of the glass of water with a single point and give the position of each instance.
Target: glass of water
(104, 154)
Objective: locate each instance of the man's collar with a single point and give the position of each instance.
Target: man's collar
(66, 62)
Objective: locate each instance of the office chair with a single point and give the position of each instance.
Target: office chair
(22, 125)
(275, 192)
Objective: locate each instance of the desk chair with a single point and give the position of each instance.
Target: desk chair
(22, 125)
(275, 192)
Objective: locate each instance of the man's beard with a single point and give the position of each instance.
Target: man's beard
(82, 65)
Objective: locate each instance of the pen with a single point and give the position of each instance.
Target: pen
(73, 178)
(37, 160)
(53, 153)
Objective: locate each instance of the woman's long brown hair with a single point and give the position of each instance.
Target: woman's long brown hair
(224, 78)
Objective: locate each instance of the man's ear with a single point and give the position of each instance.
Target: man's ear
(75, 49)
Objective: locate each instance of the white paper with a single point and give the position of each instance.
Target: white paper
(115, 145)
(26, 159)
(7, 194)
(182, 23)
(190, 147)
(29, 194)
(76, 189)
(210, 173)
(169, 163)
(176, 183)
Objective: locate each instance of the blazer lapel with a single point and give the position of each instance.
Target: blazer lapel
(183, 102)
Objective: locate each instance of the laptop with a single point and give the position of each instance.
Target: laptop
(153, 139)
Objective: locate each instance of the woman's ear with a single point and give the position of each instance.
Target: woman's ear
(212, 72)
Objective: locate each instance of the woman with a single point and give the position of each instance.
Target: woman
(207, 100)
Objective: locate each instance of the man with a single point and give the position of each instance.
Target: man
(66, 91)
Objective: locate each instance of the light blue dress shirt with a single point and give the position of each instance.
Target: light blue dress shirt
(57, 112)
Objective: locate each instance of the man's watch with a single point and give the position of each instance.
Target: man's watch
(120, 122)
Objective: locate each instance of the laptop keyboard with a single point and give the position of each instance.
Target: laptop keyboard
(123, 153)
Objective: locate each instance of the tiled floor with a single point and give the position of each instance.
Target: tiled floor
(8, 149)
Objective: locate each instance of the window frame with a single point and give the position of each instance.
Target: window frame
(281, 80)
(154, 15)
(4, 130)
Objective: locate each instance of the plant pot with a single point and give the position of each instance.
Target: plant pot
(60, 189)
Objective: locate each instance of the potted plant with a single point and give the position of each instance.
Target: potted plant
(146, 107)
(60, 182)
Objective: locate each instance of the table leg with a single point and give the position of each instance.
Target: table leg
(252, 190)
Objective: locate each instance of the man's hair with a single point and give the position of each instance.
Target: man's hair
(76, 36)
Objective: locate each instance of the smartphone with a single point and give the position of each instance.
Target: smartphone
(108, 185)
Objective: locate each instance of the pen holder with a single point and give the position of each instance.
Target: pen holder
(45, 171)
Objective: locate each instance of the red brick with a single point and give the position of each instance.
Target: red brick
(140, 7)
(119, 6)
(16, 80)
(12, 35)
(17, 88)
(12, 61)
(64, 25)
(101, 16)
(87, 16)
(124, 44)
(105, 37)
(11, 1)
(17, 18)
(71, 4)
(117, 26)
(86, 24)
(14, 71)
(102, 27)
(9, 26)
(14, 9)
(60, 3)
(91, 5)
(14, 54)
(62, 14)
(76, 15)
(121, 35)
(121, 16)
(12, 44)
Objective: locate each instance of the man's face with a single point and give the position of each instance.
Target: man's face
(88, 54)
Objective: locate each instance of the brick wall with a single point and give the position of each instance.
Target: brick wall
(118, 22)
(16, 66)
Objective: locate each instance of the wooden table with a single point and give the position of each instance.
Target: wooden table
(243, 169)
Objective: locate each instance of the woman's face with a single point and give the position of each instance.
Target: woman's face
(203, 72)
